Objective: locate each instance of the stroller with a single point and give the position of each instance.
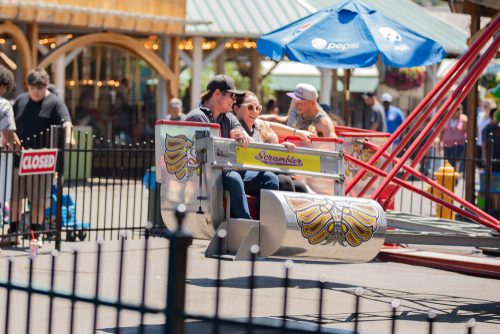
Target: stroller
(69, 224)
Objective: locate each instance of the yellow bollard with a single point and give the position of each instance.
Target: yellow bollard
(445, 176)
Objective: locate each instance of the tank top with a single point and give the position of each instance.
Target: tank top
(297, 121)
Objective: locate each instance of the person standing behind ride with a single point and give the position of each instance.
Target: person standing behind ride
(491, 141)
(7, 122)
(35, 112)
(8, 128)
(376, 115)
(453, 139)
(393, 115)
(306, 113)
(247, 108)
(175, 113)
(215, 107)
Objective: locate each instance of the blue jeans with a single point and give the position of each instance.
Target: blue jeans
(249, 182)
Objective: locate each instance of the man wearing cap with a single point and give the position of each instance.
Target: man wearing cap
(216, 103)
(305, 113)
(175, 112)
(376, 114)
(393, 115)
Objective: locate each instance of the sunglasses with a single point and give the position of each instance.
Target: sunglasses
(252, 107)
(231, 95)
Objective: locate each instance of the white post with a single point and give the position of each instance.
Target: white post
(59, 69)
(196, 72)
(326, 85)
(162, 105)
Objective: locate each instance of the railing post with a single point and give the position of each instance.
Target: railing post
(177, 270)
(488, 172)
(60, 181)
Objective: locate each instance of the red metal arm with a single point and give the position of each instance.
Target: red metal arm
(441, 189)
(442, 88)
(423, 193)
(455, 99)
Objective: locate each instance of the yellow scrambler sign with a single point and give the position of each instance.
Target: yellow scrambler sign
(277, 159)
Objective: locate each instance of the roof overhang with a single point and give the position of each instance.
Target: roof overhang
(95, 17)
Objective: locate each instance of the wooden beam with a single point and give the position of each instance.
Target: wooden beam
(174, 67)
(22, 43)
(33, 40)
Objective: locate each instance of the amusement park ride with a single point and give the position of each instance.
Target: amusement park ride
(353, 179)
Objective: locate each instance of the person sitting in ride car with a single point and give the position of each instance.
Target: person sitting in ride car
(247, 108)
(306, 113)
(215, 107)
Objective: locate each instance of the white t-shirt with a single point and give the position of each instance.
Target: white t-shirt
(7, 121)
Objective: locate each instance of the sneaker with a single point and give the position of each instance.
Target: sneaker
(9, 240)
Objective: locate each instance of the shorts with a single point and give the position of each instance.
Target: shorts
(36, 188)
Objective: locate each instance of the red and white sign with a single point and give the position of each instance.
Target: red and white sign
(38, 162)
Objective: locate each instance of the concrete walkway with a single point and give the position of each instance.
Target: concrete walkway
(455, 298)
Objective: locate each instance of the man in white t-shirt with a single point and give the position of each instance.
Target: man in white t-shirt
(7, 122)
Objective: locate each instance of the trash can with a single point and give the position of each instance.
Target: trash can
(78, 162)
(154, 211)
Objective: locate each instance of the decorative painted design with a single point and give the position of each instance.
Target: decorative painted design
(323, 221)
(362, 154)
(178, 155)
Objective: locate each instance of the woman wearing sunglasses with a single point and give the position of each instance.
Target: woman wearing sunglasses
(247, 109)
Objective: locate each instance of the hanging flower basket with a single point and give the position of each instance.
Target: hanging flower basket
(404, 78)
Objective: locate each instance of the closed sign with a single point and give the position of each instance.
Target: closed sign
(38, 162)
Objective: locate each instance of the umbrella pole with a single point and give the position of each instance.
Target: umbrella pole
(347, 96)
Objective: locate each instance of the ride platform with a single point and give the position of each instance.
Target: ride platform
(443, 244)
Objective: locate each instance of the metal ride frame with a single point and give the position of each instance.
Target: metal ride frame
(191, 160)
(422, 115)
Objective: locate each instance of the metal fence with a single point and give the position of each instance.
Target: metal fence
(101, 187)
(44, 304)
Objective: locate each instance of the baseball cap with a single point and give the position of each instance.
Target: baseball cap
(386, 97)
(175, 102)
(224, 83)
(304, 91)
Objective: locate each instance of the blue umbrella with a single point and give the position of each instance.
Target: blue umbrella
(349, 35)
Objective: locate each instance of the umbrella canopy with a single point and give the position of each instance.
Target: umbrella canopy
(350, 35)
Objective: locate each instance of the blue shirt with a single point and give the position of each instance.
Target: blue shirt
(394, 118)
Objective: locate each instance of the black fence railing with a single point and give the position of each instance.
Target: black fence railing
(100, 188)
(43, 303)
